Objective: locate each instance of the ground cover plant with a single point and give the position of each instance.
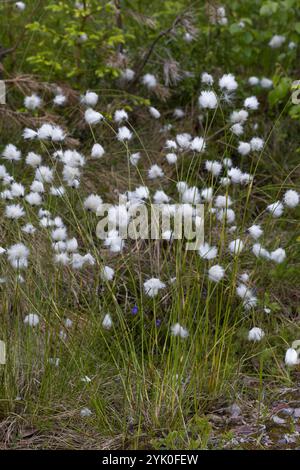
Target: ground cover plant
(132, 344)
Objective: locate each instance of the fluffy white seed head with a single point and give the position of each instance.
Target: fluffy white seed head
(208, 100)
(32, 102)
(32, 319)
(107, 322)
(153, 286)
(178, 330)
(216, 273)
(256, 334)
(97, 151)
(291, 357)
(291, 198)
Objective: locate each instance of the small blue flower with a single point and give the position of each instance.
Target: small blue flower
(134, 310)
(158, 322)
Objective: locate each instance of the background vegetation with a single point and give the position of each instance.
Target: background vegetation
(148, 388)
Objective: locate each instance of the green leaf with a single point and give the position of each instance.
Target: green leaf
(280, 91)
(235, 28)
(268, 9)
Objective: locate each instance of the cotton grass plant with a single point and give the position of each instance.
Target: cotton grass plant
(135, 338)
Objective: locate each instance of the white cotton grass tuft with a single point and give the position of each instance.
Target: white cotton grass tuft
(155, 171)
(59, 100)
(184, 140)
(253, 81)
(59, 234)
(244, 148)
(127, 75)
(256, 334)
(213, 167)
(208, 252)
(235, 175)
(11, 153)
(207, 194)
(90, 98)
(178, 113)
(276, 209)
(291, 198)
(97, 151)
(149, 80)
(153, 286)
(251, 103)
(50, 132)
(34, 199)
(18, 256)
(239, 117)
(62, 259)
(255, 231)
(32, 319)
(260, 252)
(32, 102)
(124, 134)
(85, 412)
(171, 144)
(276, 41)
(135, 158)
(236, 246)
(72, 244)
(44, 174)
(223, 201)
(291, 357)
(120, 115)
(256, 144)
(191, 195)
(178, 330)
(278, 256)
(57, 191)
(216, 273)
(154, 112)
(207, 79)
(17, 190)
(237, 129)
(226, 215)
(198, 144)
(171, 158)
(114, 242)
(33, 159)
(160, 197)
(228, 82)
(244, 277)
(20, 6)
(37, 187)
(92, 117)
(86, 379)
(107, 273)
(14, 211)
(208, 100)
(107, 322)
(92, 202)
(29, 134)
(118, 216)
(181, 186)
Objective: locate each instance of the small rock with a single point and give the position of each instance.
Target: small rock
(278, 420)
(297, 413)
(215, 418)
(287, 411)
(281, 441)
(291, 438)
(235, 410)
